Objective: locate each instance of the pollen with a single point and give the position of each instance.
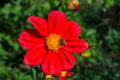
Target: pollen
(53, 42)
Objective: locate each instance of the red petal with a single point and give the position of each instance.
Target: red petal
(62, 78)
(69, 74)
(71, 31)
(30, 38)
(56, 21)
(51, 64)
(78, 46)
(67, 59)
(35, 56)
(40, 24)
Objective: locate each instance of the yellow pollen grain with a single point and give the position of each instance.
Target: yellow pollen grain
(53, 42)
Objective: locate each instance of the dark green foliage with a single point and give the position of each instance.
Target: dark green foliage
(100, 23)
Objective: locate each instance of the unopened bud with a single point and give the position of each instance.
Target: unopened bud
(48, 77)
(86, 53)
(73, 4)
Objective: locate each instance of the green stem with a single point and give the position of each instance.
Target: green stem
(59, 5)
(34, 73)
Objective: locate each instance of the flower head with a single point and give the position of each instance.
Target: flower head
(52, 42)
(73, 4)
(65, 74)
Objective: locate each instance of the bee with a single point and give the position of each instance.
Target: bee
(62, 41)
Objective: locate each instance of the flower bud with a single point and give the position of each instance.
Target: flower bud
(86, 53)
(72, 4)
(48, 77)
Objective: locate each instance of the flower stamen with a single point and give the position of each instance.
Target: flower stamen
(53, 42)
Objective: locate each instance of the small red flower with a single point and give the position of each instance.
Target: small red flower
(51, 43)
(65, 74)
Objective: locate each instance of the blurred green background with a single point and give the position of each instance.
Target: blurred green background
(100, 22)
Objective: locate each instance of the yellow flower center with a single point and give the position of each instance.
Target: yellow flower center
(63, 73)
(53, 42)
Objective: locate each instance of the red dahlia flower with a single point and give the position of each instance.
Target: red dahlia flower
(51, 43)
